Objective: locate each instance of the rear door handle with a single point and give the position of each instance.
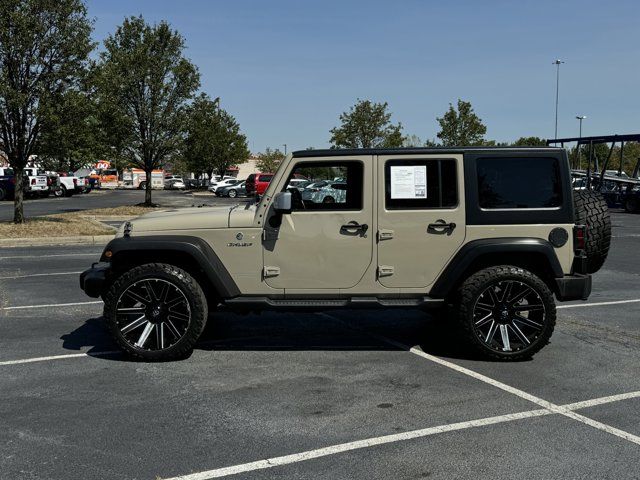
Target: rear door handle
(440, 227)
(354, 227)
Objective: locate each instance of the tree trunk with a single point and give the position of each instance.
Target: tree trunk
(18, 210)
(147, 190)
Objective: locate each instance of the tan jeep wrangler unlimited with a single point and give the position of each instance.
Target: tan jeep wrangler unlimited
(493, 233)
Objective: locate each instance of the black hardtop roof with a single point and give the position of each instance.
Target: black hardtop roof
(338, 152)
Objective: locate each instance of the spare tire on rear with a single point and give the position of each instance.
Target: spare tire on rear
(590, 209)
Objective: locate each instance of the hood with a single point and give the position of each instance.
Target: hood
(193, 218)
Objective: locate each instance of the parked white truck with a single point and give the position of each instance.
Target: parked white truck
(36, 181)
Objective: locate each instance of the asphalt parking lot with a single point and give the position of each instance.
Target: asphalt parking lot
(347, 394)
(109, 198)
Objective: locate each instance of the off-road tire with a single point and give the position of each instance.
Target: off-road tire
(189, 287)
(468, 294)
(631, 205)
(591, 210)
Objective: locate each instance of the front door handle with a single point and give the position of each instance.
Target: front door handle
(440, 227)
(354, 227)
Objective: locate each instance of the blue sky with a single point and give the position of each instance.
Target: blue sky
(287, 69)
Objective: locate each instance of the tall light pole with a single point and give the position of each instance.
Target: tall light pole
(580, 119)
(557, 63)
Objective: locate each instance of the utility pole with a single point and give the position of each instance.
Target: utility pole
(557, 63)
(580, 119)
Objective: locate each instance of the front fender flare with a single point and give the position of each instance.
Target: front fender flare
(194, 247)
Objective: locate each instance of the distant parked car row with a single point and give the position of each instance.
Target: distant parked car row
(39, 183)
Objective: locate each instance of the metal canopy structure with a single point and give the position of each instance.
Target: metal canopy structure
(594, 175)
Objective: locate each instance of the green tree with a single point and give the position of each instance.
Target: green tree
(44, 45)
(72, 141)
(270, 160)
(461, 126)
(213, 142)
(529, 142)
(144, 84)
(412, 141)
(367, 125)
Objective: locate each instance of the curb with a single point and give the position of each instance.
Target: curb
(46, 241)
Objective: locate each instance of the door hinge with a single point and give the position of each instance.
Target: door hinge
(270, 271)
(385, 235)
(385, 270)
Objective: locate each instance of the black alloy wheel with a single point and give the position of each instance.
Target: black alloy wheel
(507, 313)
(156, 312)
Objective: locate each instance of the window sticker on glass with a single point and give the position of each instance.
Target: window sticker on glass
(409, 181)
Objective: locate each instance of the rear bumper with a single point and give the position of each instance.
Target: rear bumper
(573, 287)
(94, 280)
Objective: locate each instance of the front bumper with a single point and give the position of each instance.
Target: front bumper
(94, 280)
(573, 287)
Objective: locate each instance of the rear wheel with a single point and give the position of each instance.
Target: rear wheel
(506, 312)
(156, 312)
(60, 192)
(592, 211)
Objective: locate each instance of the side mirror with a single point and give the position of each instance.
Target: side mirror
(282, 202)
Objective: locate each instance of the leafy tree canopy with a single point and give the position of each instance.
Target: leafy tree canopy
(270, 160)
(44, 46)
(213, 142)
(461, 126)
(367, 125)
(144, 83)
(530, 142)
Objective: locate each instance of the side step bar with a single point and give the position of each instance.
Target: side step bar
(266, 303)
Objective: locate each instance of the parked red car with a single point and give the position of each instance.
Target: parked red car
(257, 183)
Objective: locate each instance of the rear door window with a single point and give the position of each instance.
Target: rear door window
(527, 182)
(420, 184)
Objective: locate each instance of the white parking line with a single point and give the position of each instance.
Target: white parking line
(54, 255)
(599, 304)
(503, 386)
(58, 357)
(396, 437)
(38, 275)
(23, 307)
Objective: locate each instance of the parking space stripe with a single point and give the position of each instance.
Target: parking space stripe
(520, 393)
(23, 307)
(54, 255)
(58, 357)
(601, 401)
(503, 386)
(356, 445)
(599, 304)
(396, 437)
(38, 275)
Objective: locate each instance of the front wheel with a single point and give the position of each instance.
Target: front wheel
(506, 312)
(156, 312)
(233, 193)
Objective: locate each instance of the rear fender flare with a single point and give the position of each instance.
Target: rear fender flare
(473, 251)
